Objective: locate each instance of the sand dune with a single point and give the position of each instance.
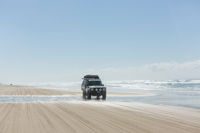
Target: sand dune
(94, 117)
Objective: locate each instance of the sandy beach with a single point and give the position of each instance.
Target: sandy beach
(91, 116)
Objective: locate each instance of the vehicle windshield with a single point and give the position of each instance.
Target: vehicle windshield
(92, 83)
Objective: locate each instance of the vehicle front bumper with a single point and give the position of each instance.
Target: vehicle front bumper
(96, 92)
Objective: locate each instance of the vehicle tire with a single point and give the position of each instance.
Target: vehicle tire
(88, 96)
(84, 95)
(97, 97)
(104, 96)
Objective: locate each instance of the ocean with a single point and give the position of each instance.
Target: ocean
(171, 92)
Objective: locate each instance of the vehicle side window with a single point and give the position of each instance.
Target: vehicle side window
(84, 83)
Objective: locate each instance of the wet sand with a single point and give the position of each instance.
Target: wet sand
(93, 116)
(31, 90)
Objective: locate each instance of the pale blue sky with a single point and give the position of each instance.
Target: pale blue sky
(47, 40)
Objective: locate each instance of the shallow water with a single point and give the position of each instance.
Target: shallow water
(171, 92)
(37, 98)
(167, 99)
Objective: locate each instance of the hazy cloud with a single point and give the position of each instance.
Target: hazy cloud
(163, 70)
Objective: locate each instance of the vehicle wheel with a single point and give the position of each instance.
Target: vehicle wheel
(88, 96)
(84, 95)
(104, 96)
(97, 97)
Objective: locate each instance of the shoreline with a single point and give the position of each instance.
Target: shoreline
(35, 91)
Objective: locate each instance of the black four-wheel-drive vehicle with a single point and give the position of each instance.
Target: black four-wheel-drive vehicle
(92, 86)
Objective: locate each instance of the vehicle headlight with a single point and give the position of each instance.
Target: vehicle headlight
(104, 89)
(91, 89)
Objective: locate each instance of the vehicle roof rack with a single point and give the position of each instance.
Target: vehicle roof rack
(91, 77)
